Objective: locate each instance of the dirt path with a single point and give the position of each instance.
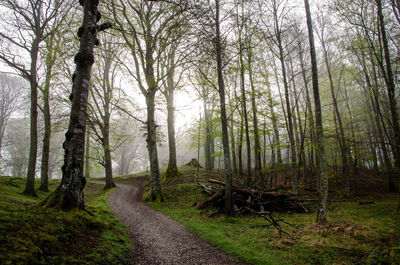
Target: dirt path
(158, 239)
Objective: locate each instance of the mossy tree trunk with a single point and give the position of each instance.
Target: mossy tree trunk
(50, 60)
(69, 194)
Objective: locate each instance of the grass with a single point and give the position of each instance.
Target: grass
(30, 234)
(356, 234)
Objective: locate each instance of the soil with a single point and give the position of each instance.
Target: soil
(155, 237)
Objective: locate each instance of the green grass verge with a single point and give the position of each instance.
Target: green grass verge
(30, 234)
(356, 234)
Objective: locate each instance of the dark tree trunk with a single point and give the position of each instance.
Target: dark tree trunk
(69, 194)
(107, 153)
(310, 115)
(391, 90)
(44, 170)
(152, 149)
(208, 142)
(257, 148)
(232, 135)
(240, 145)
(244, 107)
(321, 158)
(229, 211)
(87, 154)
(30, 178)
(172, 169)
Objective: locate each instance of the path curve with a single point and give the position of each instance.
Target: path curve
(158, 239)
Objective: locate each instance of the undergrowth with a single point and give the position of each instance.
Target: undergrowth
(30, 234)
(356, 234)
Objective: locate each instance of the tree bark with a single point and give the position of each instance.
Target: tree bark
(107, 153)
(257, 148)
(87, 154)
(310, 114)
(321, 159)
(30, 178)
(151, 140)
(244, 107)
(391, 90)
(44, 169)
(69, 194)
(229, 211)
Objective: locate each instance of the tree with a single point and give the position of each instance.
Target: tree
(321, 158)
(24, 31)
(391, 88)
(146, 29)
(52, 52)
(69, 194)
(224, 123)
(104, 101)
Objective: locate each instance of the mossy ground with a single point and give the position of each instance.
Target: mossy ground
(30, 234)
(356, 234)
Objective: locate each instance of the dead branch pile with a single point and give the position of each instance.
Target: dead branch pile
(249, 201)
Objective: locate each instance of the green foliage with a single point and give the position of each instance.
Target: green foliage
(30, 234)
(356, 234)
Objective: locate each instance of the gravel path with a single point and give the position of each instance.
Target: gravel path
(158, 239)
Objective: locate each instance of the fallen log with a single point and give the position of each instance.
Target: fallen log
(245, 199)
(211, 199)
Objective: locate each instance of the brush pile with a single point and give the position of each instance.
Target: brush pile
(249, 201)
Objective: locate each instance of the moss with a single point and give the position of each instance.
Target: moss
(30, 234)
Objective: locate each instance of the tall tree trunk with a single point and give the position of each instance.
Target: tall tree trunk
(69, 194)
(309, 113)
(290, 128)
(240, 144)
(44, 168)
(107, 91)
(229, 211)
(152, 149)
(172, 169)
(391, 90)
(107, 156)
(232, 135)
(207, 145)
(30, 179)
(244, 106)
(87, 154)
(321, 159)
(257, 148)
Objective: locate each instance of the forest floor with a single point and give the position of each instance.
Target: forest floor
(31, 234)
(355, 234)
(157, 238)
